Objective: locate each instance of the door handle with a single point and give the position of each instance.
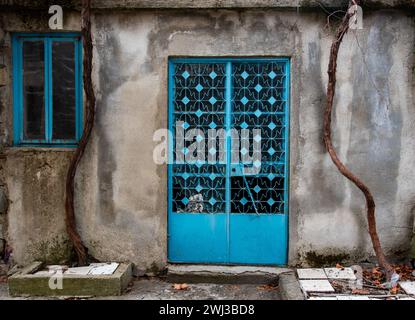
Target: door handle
(237, 170)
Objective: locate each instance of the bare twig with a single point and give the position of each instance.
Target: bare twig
(330, 15)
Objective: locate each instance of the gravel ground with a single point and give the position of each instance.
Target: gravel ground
(157, 289)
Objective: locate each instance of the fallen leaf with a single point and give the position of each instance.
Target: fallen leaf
(180, 286)
(394, 290)
(267, 287)
(376, 271)
(339, 266)
(360, 291)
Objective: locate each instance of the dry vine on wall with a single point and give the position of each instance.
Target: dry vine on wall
(370, 203)
(80, 249)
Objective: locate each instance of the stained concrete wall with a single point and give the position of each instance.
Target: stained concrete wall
(33, 178)
(121, 194)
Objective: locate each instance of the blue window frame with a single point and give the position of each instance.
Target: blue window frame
(47, 89)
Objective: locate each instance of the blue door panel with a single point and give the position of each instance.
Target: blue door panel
(218, 211)
(251, 241)
(198, 238)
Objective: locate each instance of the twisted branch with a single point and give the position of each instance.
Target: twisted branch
(80, 249)
(370, 203)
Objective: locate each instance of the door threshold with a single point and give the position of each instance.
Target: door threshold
(224, 274)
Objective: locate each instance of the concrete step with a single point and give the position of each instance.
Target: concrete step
(180, 273)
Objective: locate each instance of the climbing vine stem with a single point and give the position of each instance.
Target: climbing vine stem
(331, 86)
(80, 249)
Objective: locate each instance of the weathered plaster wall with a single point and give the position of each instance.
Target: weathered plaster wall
(125, 193)
(121, 194)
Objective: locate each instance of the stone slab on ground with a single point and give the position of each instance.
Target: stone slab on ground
(25, 282)
(340, 273)
(289, 287)
(408, 287)
(311, 273)
(224, 274)
(316, 286)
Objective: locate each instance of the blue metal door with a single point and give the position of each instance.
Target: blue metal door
(228, 160)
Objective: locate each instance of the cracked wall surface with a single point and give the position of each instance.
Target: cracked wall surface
(121, 194)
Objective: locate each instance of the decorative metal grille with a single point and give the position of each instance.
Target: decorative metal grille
(199, 103)
(258, 101)
(232, 94)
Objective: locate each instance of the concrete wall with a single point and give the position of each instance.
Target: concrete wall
(121, 194)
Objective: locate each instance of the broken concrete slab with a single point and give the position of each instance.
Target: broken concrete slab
(224, 274)
(408, 287)
(27, 283)
(316, 286)
(340, 273)
(289, 287)
(311, 273)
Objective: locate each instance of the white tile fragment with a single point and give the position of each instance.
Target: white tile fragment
(57, 268)
(79, 270)
(408, 286)
(337, 273)
(322, 298)
(316, 286)
(45, 273)
(98, 264)
(354, 297)
(92, 269)
(105, 269)
(311, 273)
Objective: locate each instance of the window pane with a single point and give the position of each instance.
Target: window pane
(33, 90)
(63, 84)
